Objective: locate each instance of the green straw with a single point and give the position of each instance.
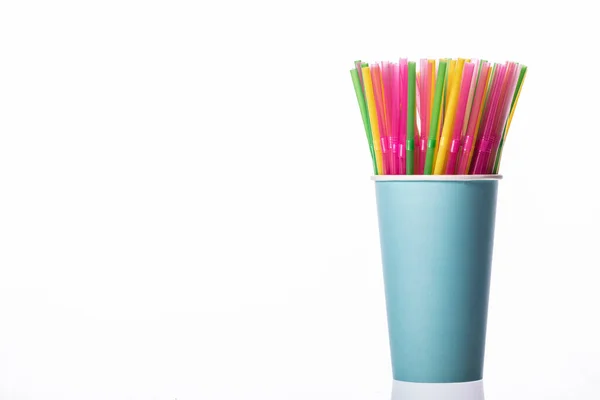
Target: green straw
(512, 105)
(360, 96)
(435, 118)
(410, 121)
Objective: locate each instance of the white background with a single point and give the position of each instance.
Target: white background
(186, 211)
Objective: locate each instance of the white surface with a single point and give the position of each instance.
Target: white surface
(437, 391)
(436, 177)
(166, 231)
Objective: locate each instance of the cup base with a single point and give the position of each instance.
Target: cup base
(437, 391)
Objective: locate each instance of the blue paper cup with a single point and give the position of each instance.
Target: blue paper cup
(437, 235)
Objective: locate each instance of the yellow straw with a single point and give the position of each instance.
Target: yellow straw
(383, 102)
(440, 163)
(451, 72)
(366, 73)
(439, 131)
(448, 92)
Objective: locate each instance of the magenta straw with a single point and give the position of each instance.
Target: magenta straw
(403, 114)
(417, 139)
(396, 117)
(386, 112)
(423, 94)
(428, 105)
(388, 92)
(459, 118)
(417, 158)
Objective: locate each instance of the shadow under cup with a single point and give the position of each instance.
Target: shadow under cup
(437, 236)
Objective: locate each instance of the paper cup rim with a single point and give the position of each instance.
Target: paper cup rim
(434, 178)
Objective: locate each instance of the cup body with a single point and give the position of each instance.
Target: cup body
(437, 239)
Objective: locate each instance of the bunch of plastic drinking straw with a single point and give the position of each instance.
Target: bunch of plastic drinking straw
(449, 117)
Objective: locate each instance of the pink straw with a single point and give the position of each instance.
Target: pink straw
(473, 116)
(484, 144)
(492, 135)
(471, 95)
(503, 111)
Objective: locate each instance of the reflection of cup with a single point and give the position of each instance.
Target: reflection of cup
(437, 236)
(437, 391)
